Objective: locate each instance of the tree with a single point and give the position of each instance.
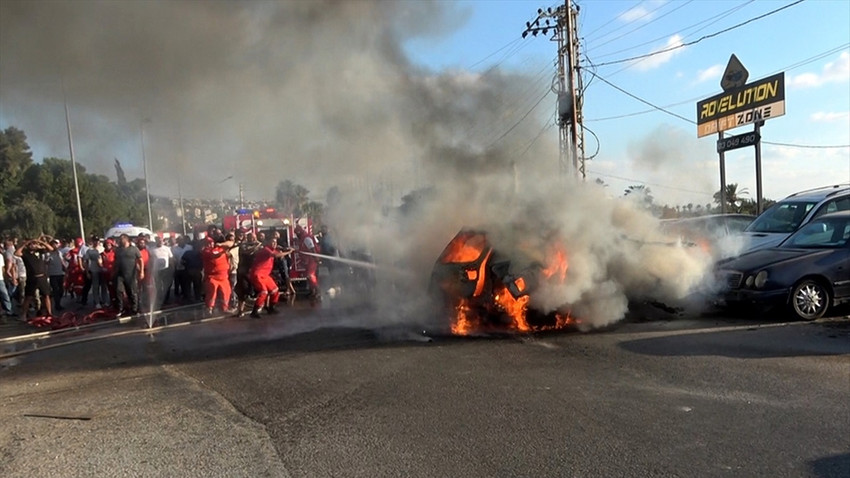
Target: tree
(28, 218)
(15, 159)
(733, 197)
(291, 198)
(642, 193)
(314, 210)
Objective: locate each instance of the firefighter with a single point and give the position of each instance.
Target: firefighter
(75, 276)
(261, 279)
(306, 243)
(247, 249)
(216, 273)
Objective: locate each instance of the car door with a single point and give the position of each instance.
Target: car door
(840, 265)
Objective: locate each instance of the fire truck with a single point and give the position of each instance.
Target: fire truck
(268, 220)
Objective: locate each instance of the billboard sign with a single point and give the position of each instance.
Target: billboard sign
(760, 100)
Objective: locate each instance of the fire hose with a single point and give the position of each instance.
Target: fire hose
(352, 262)
(70, 319)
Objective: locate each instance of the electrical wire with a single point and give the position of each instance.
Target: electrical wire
(604, 175)
(790, 67)
(598, 144)
(519, 121)
(704, 37)
(633, 20)
(681, 5)
(659, 108)
(616, 17)
(720, 15)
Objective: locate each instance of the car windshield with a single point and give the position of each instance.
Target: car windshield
(784, 217)
(823, 233)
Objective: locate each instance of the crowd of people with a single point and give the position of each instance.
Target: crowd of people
(45, 275)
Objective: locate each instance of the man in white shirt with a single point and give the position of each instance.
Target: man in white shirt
(179, 269)
(162, 268)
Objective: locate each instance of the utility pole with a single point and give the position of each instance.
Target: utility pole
(563, 23)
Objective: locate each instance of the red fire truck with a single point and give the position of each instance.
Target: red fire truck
(268, 220)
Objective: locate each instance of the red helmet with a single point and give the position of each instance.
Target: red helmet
(78, 241)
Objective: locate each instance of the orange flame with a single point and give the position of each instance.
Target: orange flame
(463, 324)
(464, 248)
(557, 263)
(515, 308)
(468, 248)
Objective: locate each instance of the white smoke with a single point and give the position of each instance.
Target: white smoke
(321, 93)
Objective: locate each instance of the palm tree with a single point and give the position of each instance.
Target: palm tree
(733, 197)
(290, 197)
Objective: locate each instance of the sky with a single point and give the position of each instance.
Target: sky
(810, 42)
(122, 64)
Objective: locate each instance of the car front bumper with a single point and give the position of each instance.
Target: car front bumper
(759, 298)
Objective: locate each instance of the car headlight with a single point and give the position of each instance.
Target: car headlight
(749, 281)
(761, 279)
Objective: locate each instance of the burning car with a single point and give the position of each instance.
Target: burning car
(481, 287)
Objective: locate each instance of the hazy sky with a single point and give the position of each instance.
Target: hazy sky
(358, 93)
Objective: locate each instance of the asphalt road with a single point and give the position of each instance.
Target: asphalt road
(308, 395)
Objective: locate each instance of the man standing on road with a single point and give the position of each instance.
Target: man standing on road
(247, 249)
(179, 269)
(162, 267)
(129, 270)
(94, 270)
(306, 244)
(30, 254)
(216, 273)
(5, 301)
(107, 257)
(56, 274)
(261, 279)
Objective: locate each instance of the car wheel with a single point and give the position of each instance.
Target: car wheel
(809, 300)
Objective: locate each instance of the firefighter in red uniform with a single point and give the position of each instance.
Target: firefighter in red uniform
(306, 243)
(261, 279)
(108, 257)
(216, 273)
(75, 275)
(145, 284)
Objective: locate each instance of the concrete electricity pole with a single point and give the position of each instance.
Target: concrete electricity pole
(562, 21)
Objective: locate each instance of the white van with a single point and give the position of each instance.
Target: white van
(129, 229)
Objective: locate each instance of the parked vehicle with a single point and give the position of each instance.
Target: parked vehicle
(720, 234)
(789, 214)
(808, 272)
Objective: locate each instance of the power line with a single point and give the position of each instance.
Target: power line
(790, 67)
(719, 15)
(519, 121)
(704, 37)
(681, 5)
(633, 20)
(615, 19)
(649, 183)
(808, 146)
(612, 85)
(659, 108)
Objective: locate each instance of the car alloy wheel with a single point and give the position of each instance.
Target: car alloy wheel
(810, 300)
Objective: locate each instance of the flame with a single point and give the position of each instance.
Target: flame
(469, 247)
(515, 308)
(557, 265)
(463, 323)
(464, 248)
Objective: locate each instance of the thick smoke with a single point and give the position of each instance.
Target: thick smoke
(321, 93)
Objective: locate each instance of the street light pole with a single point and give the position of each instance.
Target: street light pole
(74, 170)
(145, 167)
